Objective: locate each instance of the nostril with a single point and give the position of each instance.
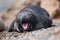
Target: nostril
(25, 19)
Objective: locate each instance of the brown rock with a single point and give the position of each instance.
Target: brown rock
(2, 25)
(52, 6)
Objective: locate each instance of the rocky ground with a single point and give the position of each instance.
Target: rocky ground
(52, 33)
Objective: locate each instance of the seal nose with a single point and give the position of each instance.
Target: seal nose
(25, 18)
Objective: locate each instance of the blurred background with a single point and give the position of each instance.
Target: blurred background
(9, 8)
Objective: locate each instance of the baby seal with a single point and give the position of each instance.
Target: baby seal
(31, 18)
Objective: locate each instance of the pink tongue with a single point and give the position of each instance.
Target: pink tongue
(25, 25)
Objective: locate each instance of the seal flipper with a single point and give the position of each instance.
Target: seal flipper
(11, 27)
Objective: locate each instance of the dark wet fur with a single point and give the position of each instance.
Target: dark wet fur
(37, 17)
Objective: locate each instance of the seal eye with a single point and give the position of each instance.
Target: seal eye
(25, 25)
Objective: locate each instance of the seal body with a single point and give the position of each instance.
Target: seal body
(31, 18)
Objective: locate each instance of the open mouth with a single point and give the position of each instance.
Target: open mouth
(25, 25)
